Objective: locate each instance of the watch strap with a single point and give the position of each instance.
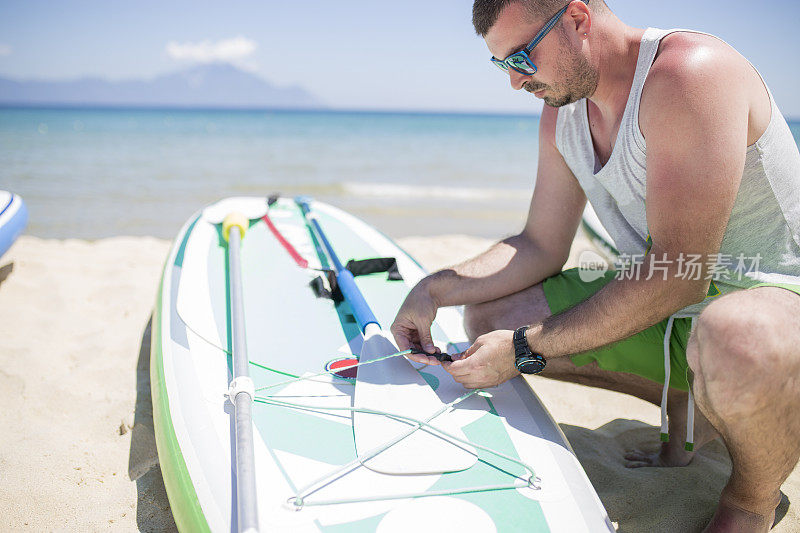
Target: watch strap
(526, 360)
(520, 341)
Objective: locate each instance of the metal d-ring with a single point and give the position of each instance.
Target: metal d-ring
(296, 503)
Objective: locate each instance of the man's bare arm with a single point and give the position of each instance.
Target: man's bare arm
(516, 263)
(696, 142)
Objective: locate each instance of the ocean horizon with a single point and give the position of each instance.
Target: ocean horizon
(256, 109)
(92, 172)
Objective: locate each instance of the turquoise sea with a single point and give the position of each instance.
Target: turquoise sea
(91, 173)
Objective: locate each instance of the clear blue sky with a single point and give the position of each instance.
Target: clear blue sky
(404, 54)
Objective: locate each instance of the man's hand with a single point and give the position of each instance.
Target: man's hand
(487, 363)
(412, 325)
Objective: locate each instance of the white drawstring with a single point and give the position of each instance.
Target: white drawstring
(665, 390)
(689, 446)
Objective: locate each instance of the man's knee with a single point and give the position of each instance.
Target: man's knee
(525, 307)
(736, 353)
(477, 320)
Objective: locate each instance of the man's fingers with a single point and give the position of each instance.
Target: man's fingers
(463, 375)
(469, 351)
(468, 382)
(460, 365)
(407, 337)
(425, 340)
(457, 368)
(403, 343)
(402, 336)
(422, 358)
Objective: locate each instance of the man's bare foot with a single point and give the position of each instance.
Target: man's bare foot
(730, 518)
(671, 454)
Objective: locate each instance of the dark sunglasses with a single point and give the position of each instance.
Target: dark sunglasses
(521, 61)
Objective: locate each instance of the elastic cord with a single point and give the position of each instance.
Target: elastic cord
(299, 500)
(302, 494)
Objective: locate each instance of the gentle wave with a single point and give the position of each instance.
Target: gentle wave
(354, 189)
(387, 190)
(94, 173)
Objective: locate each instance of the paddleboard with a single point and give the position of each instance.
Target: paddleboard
(13, 218)
(598, 234)
(303, 342)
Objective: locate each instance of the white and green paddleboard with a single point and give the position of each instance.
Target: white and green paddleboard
(598, 234)
(395, 448)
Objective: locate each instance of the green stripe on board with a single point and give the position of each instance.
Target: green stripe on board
(228, 317)
(311, 436)
(600, 241)
(183, 499)
(182, 248)
(343, 310)
(507, 508)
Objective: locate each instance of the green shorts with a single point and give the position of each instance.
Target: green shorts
(641, 354)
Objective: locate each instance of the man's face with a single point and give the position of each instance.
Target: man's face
(563, 74)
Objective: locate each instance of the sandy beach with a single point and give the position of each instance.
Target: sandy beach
(77, 450)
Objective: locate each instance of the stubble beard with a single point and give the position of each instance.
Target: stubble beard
(580, 81)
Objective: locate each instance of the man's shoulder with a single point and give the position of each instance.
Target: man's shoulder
(687, 54)
(691, 72)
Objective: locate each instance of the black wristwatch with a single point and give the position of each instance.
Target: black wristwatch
(526, 361)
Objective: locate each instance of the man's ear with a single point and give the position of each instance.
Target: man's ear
(579, 18)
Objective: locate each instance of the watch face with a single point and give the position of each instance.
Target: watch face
(530, 365)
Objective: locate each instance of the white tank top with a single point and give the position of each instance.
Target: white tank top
(763, 233)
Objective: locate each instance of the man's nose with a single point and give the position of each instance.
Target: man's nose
(517, 79)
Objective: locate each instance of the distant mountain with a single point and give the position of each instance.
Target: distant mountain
(212, 85)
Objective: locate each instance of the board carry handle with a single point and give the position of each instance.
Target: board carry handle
(347, 284)
(242, 391)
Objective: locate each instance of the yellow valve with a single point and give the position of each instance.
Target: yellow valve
(235, 219)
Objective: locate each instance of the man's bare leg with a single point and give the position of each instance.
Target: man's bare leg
(530, 306)
(745, 355)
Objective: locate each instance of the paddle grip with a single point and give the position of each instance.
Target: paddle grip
(350, 291)
(364, 315)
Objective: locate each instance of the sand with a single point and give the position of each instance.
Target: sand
(77, 449)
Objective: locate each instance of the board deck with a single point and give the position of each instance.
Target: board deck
(291, 333)
(395, 382)
(598, 234)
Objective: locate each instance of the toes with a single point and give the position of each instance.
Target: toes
(637, 459)
(635, 456)
(637, 464)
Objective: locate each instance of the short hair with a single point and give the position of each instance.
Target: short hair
(485, 12)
